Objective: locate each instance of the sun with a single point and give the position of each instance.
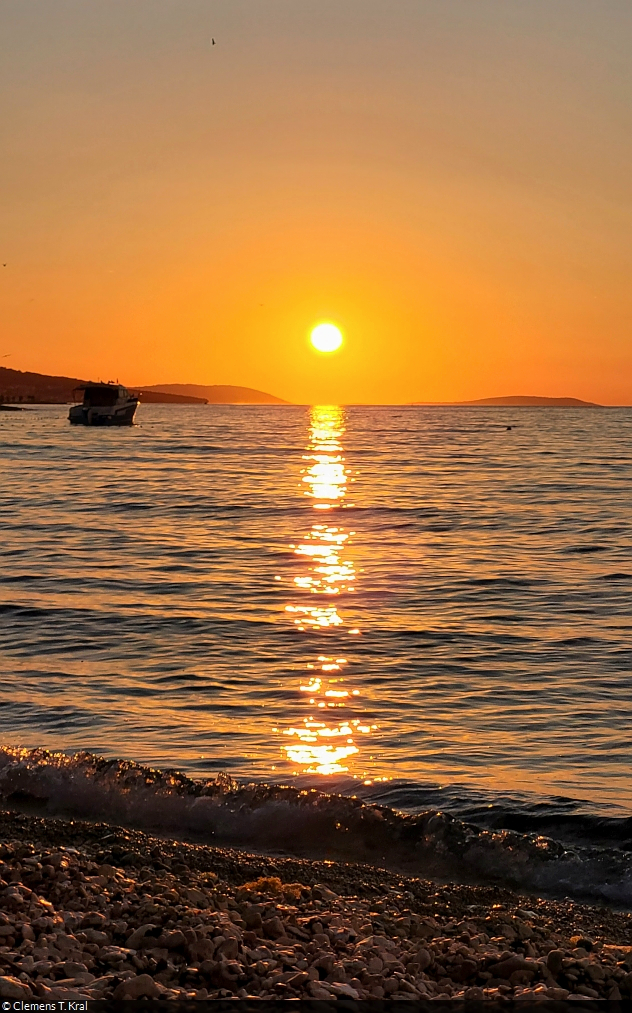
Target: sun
(326, 338)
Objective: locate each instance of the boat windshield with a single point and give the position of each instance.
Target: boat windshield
(100, 397)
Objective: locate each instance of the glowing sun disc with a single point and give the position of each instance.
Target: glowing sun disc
(326, 338)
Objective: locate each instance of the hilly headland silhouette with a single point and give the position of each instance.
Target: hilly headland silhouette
(216, 393)
(17, 387)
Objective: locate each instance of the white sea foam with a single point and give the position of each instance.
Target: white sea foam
(305, 822)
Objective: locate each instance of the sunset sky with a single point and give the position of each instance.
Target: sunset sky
(448, 181)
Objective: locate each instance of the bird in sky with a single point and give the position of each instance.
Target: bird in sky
(212, 42)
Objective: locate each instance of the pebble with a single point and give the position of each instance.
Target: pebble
(79, 922)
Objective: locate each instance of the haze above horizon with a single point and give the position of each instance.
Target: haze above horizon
(448, 184)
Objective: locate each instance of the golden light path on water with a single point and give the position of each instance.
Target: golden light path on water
(321, 741)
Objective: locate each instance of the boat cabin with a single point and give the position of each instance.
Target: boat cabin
(104, 404)
(101, 395)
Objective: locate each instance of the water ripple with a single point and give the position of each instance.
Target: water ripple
(417, 595)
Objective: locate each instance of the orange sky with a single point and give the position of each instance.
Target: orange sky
(448, 181)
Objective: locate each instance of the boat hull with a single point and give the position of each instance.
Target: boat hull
(117, 415)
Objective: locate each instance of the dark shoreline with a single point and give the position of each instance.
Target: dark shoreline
(311, 824)
(298, 929)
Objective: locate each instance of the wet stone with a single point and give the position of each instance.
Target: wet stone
(184, 922)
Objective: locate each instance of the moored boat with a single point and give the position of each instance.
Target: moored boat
(104, 404)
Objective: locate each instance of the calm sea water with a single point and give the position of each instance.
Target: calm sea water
(406, 602)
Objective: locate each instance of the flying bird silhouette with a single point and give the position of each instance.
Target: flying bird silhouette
(212, 42)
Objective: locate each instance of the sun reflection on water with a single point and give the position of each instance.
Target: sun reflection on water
(323, 741)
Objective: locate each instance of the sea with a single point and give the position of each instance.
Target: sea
(391, 634)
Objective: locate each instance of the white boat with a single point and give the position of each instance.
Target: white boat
(104, 404)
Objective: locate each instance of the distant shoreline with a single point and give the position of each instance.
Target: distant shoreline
(24, 388)
(31, 404)
(513, 401)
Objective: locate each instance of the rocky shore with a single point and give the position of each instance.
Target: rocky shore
(95, 911)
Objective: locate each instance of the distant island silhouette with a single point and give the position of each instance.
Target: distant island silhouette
(18, 387)
(218, 393)
(514, 401)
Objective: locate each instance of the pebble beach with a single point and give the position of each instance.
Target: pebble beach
(94, 911)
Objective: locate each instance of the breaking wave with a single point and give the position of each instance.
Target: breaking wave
(310, 823)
